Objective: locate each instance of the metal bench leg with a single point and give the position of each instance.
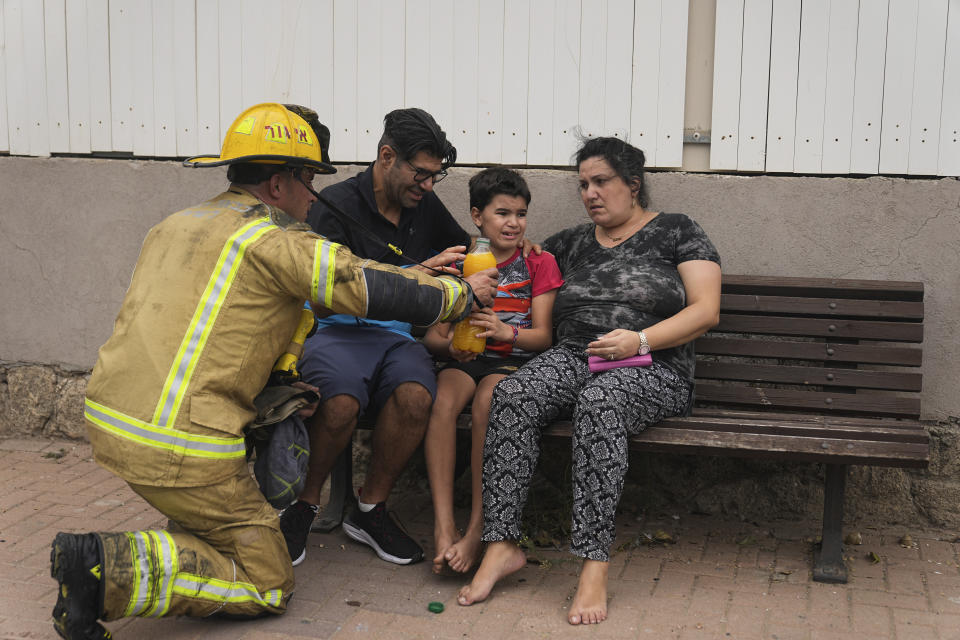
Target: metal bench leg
(828, 563)
(341, 491)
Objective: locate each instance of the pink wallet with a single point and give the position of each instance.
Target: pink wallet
(597, 363)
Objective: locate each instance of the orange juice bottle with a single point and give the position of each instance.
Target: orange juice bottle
(464, 334)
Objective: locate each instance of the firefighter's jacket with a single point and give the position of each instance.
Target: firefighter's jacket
(214, 300)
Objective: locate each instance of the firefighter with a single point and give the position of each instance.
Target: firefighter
(214, 300)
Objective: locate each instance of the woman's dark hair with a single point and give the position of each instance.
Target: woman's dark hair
(496, 181)
(409, 131)
(623, 158)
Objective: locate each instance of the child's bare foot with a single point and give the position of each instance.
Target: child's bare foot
(501, 559)
(442, 543)
(463, 554)
(590, 603)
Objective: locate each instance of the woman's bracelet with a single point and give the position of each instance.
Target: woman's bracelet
(516, 333)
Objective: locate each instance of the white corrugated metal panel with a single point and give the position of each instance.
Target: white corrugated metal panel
(898, 86)
(782, 103)
(540, 84)
(865, 86)
(319, 48)
(949, 161)
(185, 77)
(516, 48)
(343, 133)
(4, 137)
(811, 86)
(868, 86)
(927, 88)
(566, 71)
(672, 84)
(79, 61)
(644, 111)
(489, 82)
(231, 78)
(617, 71)
(592, 70)
(56, 98)
(463, 128)
(838, 99)
(165, 80)
(754, 85)
(437, 67)
(727, 56)
(121, 74)
(208, 77)
(369, 65)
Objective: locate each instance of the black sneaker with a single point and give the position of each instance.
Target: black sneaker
(76, 564)
(377, 529)
(295, 523)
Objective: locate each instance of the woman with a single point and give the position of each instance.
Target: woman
(635, 281)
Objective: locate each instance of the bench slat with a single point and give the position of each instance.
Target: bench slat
(854, 353)
(905, 424)
(890, 380)
(830, 307)
(770, 446)
(876, 433)
(815, 327)
(824, 402)
(776, 447)
(823, 287)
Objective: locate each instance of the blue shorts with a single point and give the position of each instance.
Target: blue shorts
(367, 363)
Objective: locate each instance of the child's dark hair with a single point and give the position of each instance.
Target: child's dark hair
(622, 157)
(496, 181)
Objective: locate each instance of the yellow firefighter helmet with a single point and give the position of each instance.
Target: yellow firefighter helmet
(272, 133)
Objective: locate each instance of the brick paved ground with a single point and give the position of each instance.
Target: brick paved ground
(721, 579)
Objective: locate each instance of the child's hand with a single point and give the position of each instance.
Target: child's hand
(493, 328)
(462, 356)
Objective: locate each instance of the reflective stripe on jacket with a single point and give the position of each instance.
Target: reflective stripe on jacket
(214, 300)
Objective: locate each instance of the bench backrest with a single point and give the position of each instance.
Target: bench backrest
(840, 347)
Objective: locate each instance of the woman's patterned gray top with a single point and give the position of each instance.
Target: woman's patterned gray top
(631, 286)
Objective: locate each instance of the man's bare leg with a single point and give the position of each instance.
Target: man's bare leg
(330, 430)
(502, 558)
(590, 603)
(463, 555)
(454, 389)
(400, 427)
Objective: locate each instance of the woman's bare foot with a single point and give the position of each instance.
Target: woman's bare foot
(590, 603)
(443, 542)
(463, 554)
(501, 559)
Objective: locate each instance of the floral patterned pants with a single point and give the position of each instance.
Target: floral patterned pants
(607, 408)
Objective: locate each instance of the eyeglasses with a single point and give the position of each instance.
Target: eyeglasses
(420, 174)
(306, 174)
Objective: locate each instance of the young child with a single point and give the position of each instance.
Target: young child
(518, 326)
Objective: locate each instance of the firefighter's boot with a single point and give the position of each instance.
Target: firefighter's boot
(76, 563)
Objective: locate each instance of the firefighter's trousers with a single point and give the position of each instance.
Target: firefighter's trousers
(230, 557)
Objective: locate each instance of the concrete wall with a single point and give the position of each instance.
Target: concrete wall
(70, 230)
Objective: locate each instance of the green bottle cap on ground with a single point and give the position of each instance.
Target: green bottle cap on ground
(435, 607)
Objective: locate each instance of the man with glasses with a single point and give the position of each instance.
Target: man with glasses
(366, 366)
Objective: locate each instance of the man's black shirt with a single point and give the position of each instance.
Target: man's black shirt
(423, 231)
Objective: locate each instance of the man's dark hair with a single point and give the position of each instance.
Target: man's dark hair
(409, 131)
(496, 181)
(622, 157)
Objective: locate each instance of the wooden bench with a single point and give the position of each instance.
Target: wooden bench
(799, 369)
